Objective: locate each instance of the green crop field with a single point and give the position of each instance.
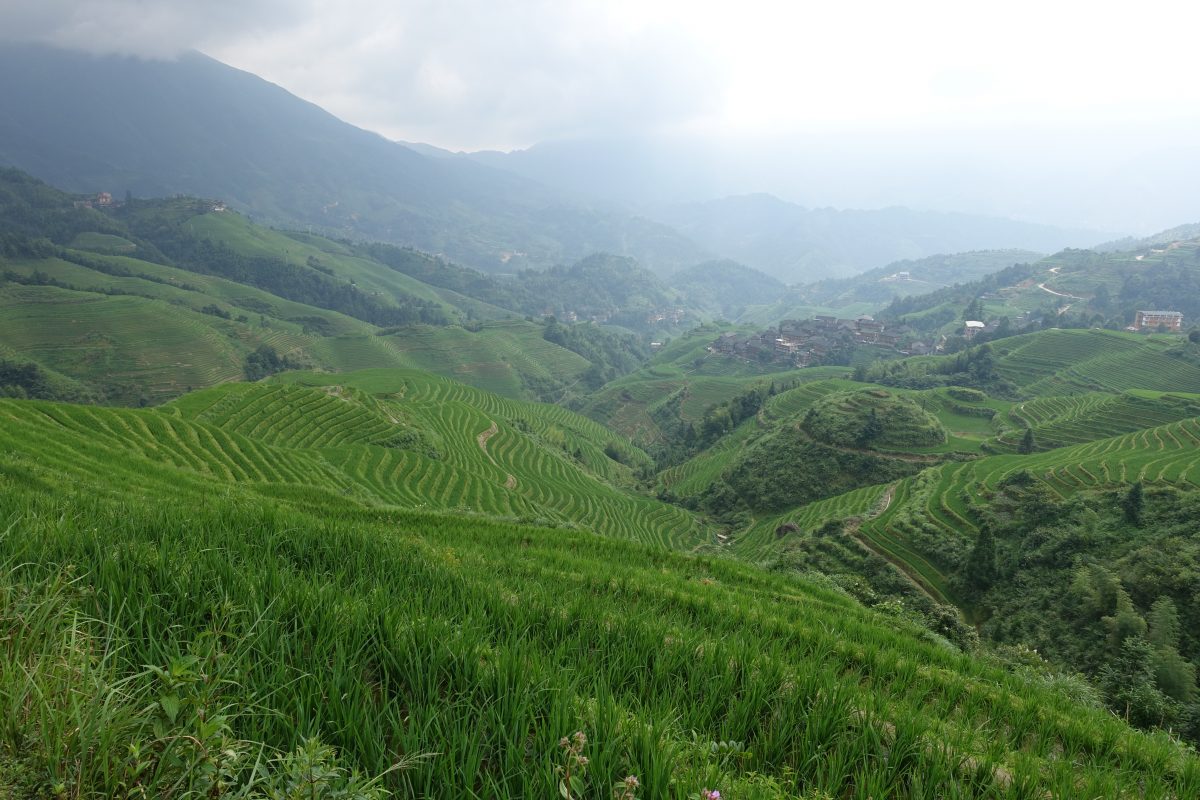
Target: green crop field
(1063, 421)
(379, 569)
(385, 438)
(1079, 361)
(139, 346)
(458, 648)
(928, 523)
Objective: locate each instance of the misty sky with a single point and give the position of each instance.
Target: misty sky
(507, 74)
(1114, 81)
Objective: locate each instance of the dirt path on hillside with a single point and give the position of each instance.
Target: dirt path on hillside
(483, 440)
(932, 459)
(1042, 286)
(851, 529)
(882, 505)
(510, 482)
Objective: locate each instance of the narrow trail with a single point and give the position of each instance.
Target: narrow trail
(1043, 287)
(932, 459)
(852, 526)
(482, 439)
(882, 505)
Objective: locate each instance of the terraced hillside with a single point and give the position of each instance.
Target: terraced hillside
(425, 443)
(139, 339)
(969, 419)
(460, 647)
(156, 331)
(147, 300)
(130, 347)
(680, 384)
(1059, 362)
(1063, 421)
(928, 525)
(699, 472)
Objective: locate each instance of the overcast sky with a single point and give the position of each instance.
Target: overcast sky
(1082, 114)
(494, 74)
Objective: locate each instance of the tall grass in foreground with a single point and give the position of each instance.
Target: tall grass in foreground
(75, 723)
(466, 650)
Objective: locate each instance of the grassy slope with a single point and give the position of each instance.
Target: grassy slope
(428, 443)
(1074, 361)
(389, 632)
(143, 331)
(143, 334)
(1102, 439)
(628, 404)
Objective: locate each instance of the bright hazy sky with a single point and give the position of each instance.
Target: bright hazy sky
(494, 74)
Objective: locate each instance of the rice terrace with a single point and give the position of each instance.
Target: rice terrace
(590, 431)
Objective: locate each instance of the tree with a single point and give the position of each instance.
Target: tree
(871, 430)
(1163, 621)
(974, 310)
(1133, 502)
(1124, 623)
(1026, 445)
(1095, 589)
(981, 563)
(1129, 685)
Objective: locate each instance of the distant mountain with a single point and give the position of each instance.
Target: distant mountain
(726, 287)
(198, 127)
(1179, 233)
(797, 244)
(912, 276)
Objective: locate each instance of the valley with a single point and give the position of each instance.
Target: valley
(370, 502)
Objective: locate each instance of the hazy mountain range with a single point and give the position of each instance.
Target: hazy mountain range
(196, 126)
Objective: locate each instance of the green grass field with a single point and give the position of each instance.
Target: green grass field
(406, 439)
(1060, 362)
(929, 522)
(460, 647)
(1063, 421)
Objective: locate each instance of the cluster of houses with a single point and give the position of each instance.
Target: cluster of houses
(571, 317)
(101, 200)
(804, 343)
(667, 316)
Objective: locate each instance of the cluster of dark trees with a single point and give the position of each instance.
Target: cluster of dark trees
(1172, 285)
(266, 361)
(27, 380)
(788, 469)
(974, 368)
(611, 353)
(942, 303)
(24, 379)
(448, 275)
(293, 282)
(31, 211)
(612, 286)
(1102, 584)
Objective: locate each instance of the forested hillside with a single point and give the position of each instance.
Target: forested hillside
(195, 126)
(141, 300)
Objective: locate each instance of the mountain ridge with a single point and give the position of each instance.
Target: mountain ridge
(197, 126)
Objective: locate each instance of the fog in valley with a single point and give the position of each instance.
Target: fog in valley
(1066, 114)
